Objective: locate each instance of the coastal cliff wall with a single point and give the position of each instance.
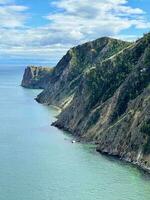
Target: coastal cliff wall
(103, 88)
(112, 105)
(70, 70)
(36, 77)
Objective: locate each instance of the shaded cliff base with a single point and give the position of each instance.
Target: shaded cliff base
(122, 161)
(137, 164)
(141, 165)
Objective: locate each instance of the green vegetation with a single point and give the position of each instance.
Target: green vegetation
(85, 56)
(146, 127)
(93, 119)
(104, 78)
(147, 147)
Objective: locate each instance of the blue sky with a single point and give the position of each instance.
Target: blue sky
(41, 31)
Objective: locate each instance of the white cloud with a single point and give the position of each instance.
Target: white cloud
(90, 20)
(11, 15)
(73, 22)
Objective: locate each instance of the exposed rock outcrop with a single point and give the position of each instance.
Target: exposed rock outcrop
(103, 88)
(36, 77)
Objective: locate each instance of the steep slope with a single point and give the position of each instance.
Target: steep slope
(69, 71)
(103, 88)
(36, 77)
(112, 105)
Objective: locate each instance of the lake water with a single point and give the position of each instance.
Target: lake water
(39, 162)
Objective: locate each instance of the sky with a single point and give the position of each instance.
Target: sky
(41, 31)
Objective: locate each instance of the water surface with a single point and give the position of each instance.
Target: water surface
(39, 162)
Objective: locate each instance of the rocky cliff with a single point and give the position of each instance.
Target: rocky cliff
(36, 77)
(69, 72)
(103, 88)
(112, 105)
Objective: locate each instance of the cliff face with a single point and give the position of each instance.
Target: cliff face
(104, 90)
(36, 77)
(112, 105)
(69, 72)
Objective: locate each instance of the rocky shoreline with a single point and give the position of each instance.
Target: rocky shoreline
(103, 90)
(139, 165)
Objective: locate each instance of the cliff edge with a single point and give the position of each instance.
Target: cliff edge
(36, 77)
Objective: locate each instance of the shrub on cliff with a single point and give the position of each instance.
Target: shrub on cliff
(146, 127)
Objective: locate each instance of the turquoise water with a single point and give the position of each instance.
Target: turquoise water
(39, 162)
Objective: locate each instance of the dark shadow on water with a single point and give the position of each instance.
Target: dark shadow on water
(143, 173)
(91, 148)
